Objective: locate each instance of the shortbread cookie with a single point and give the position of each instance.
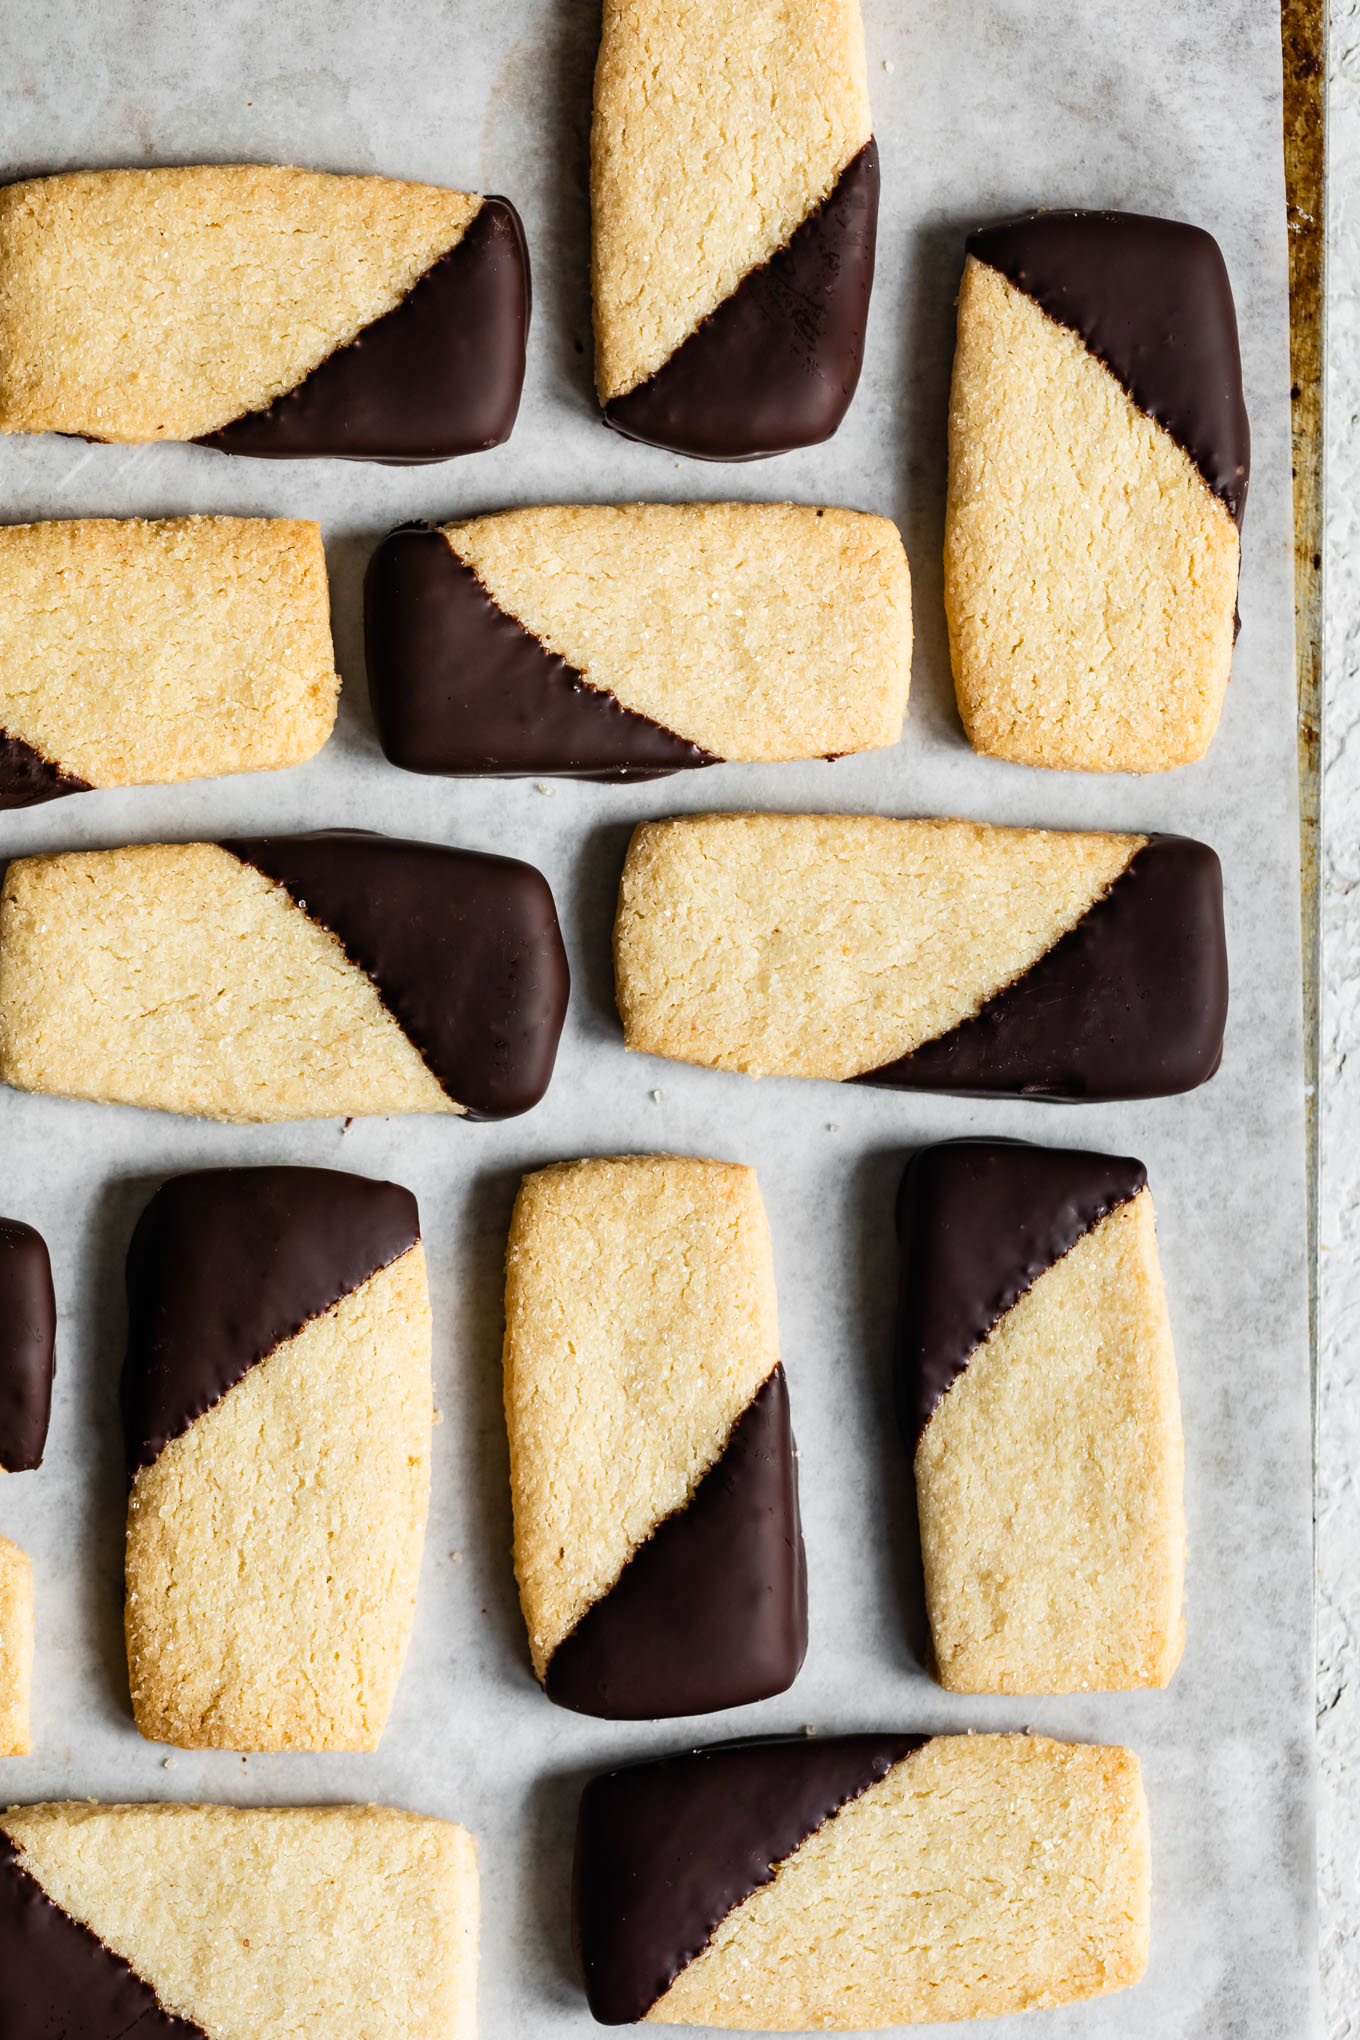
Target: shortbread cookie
(276, 1404)
(734, 202)
(16, 1653)
(925, 955)
(236, 1923)
(630, 640)
(282, 977)
(135, 653)
(28, 1345)
(1037, 1385)
(657, 1541)
(1098, 456)
(841, 1883)
(262, 310)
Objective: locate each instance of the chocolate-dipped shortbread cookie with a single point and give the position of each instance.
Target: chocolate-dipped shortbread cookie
(276, 1410)
(657, 1541)
(136, 652)
(262, 310)
(849, 1882)
(282, 977)
(163, 1922)
(1037, 1388)
(28, 1345)
(924, 955)
(627, 641)
(734, 203)
(1098, 456)
(16, 1654)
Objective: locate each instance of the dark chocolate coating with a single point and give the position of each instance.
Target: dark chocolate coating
(58, 1981)
(28, 1345)
(712, 1610)
(458, 686)
(665, 1851)
(438, 375)
(776, 364)
(27, 779)
(464, 949)
(1151, 299)
(1131, 1003)
(226, 1264)
(980, 1221)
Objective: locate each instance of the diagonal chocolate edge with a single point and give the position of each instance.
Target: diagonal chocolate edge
(463, 947)
(1152, 300)
(776, 364)
(1131, 1003)
(980, 1221)
(28, 1344)
(459, 686)
(58, 1980)
(665, 1851)
(226, 1264)
(438, 375)
(712, 1610)
(27, 779)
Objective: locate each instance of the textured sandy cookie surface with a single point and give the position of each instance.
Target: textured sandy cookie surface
(162, 304)
(355, 1921)
(1090, 571)
(138, 651)
(830, 945)
(718, 127)
(16, 1649)
(640, 1322)
(755, 630)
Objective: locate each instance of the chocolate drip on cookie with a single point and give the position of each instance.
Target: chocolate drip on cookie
(1151, 299)
(665, 1851)
(458, 686)
(464, 949)
(27, 779)
(776, 364)
(438, 375)
(58, 1981)
(712, 1610)
(1131, 1003)
(28, 1338)
(980, 1221)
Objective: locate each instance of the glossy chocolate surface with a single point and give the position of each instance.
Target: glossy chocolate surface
(58, 1981)
(1131, 1003)
(458, 686)
(226, 1264)
(27, 779)
(712, 1610)
(1151, 299)
(980, 1221)
(28, 1344)
(665, 1851)
(776, 365)
(464, 949)
(438, 375)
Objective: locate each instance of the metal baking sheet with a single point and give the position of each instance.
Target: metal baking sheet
(982, 107)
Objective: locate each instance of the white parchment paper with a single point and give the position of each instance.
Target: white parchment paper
(982, 107)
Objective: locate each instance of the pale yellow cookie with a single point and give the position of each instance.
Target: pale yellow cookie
(16, 1650)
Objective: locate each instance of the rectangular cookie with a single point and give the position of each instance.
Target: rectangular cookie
(924, 955)
(734, 203)
(282, 977)
(137, 652)
(277, 1413)
(1098, 457)
(16, 1651)
(624, 641)
(28, 1345)
(223, 303)
(846, 1882)
(652, 1468)
(1037, 1385)
(237, 1923)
